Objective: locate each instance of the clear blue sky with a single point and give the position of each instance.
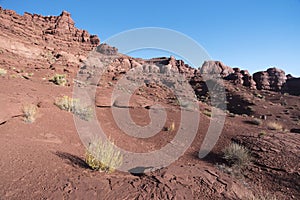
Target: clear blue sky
(251, 34)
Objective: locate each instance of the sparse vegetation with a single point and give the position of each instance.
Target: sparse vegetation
(30, 113)
(274, 126)
(172, 127)
(103, 156)
(258, 95)
(2, 72)
(207, 113)
(261, 134)
(236, 155)
(59, 79)
(73, 105)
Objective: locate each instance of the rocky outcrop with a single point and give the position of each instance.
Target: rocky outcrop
(235, 75)
(107, 50)
(292, 86)
(272, 79)
(48, 42)
(57, 40)
(216, 68)
(37, 29)
(241, 77)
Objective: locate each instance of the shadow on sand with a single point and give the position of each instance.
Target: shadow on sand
(73, 160)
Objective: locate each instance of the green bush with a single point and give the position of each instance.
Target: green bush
(103, 156)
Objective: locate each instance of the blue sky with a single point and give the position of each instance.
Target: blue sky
(250, 34)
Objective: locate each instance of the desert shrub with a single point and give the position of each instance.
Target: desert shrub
(67, 103)
(236, 155)
(103, 156)
(2, 72)
(274, 126)
(59, 79)
(262, 133)
(258, 95)
(30, 113)
(73, 105)
(171, 127)
(207, 113)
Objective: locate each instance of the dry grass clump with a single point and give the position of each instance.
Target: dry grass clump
(2, 72)
(262, 133)
(59, 79)
(171, 127)
(67, 103)
(103, 156)
(237, 155)
(274, 126)
(207, 113)
(73, 105)
(30, 113)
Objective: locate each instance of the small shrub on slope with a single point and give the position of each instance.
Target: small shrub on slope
(237, 155)
(103, 156)
(73, 105)
(30, 113)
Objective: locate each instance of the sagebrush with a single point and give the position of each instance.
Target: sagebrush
(59, 79)
(274, 126)
(103, 156)
(236, 155)
(30, 112)
(73, 105)
(2, 72)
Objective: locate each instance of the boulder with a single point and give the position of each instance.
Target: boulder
(216, 68)
(272, 79)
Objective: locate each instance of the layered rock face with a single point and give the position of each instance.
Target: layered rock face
(55, 31)
(43, 42)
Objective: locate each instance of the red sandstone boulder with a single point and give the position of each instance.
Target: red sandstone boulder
(272, 79)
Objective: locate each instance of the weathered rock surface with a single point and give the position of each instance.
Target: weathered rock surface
(107, 50)
(216, 68)
(272, 79)
(292, 86)
(59, 29)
